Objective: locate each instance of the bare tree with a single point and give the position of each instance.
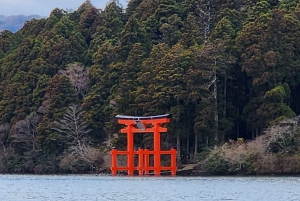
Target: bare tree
(206, 16)
(78, 75)
(280, 132)
(4, 130)
(73, 129)
(24, 132)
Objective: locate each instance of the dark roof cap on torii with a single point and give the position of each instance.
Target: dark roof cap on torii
(143, 118)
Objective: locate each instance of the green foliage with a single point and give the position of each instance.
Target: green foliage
(202, 155)
(288, 6)
(276, 95)
(110, 26)
(224, 31)
(274, 108)
(39, 91)
(132, 6)
(31, 162)
(190, 32)
(88, 23)
(1, 54)
(51, 22)
(5, 38)
(171, 30)
(64, 28)
(132, 33)
(260, 8)
(216, 165)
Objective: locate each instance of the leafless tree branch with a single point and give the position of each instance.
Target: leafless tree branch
(78, 76)
(73, 129)
(24, 132)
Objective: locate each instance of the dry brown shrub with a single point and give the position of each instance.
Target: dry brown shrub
(92, 155)
(290, 164)
(257, 147)
(277, 164)
(66, 161)
(89, 156)
(266, 164)
(236, 156)
(258, 152)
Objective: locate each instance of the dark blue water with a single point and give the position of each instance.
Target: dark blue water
(89, 188)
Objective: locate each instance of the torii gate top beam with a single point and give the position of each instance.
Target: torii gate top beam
(168, 116)
(142, 121)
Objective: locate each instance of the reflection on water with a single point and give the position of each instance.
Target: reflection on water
(93, 187)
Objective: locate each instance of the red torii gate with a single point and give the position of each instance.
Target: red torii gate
(141, 123)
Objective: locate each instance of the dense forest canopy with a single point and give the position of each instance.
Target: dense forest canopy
(223, 70)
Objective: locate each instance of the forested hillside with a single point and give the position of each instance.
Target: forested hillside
(223, 69)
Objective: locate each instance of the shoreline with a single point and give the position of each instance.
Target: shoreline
(143, 176)
(202, 174)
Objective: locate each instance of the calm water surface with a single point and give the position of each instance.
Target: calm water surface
(89, 188)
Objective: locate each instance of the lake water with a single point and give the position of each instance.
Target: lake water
(96, 188)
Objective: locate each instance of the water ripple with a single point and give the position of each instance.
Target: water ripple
(107, 188)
